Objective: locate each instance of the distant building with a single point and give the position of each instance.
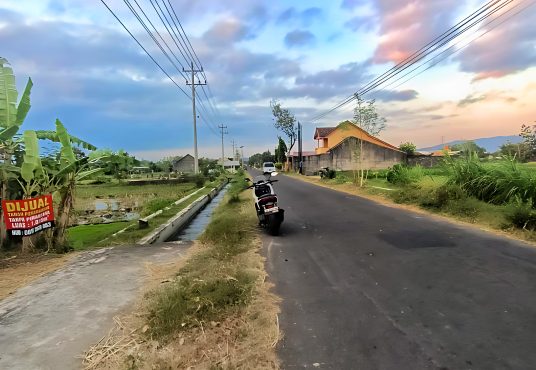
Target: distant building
(337, 147)
(184, 164)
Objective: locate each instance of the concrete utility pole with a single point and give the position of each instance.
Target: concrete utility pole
(223, 132)
(300, 152)
(242, 155)
(194, 84)
(234, 154)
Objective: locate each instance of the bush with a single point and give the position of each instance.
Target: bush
(468, 207)
(521, 215)
(279, 166)
(498, 183)
(404, 175)
(199, 180)
(327, 173)
(378, 174)
(448, 192)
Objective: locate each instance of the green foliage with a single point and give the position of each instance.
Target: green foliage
(199, 180)
(88, 236)
(258, 159)
(499, 183)
(285, 122)
(366, 117)
(520, 151)
(528, 133)
(522, 215)
(404, 175)
(408, 148)
(469, 148)
(117, 164)
(280, 151)
(278, 166)
(327, 173)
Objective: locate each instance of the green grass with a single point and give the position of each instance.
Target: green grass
(89, 236)
(92, 236)
(136, 197)
(216, 281)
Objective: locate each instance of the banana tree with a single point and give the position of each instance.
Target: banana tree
(12, 116)
(35, 179)
(71, 171)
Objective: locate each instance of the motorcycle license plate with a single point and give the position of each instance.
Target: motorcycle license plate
(271, 210)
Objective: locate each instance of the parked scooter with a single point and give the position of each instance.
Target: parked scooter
(269, 214)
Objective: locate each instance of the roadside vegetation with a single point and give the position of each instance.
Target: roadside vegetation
(499, 193)
(216, 311)
(139, 201)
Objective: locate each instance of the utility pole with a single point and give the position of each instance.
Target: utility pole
(234, 154)
(300, 153)
(242, 155)
(223, 132)
(194, 84)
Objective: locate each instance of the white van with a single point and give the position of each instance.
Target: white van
(268, 167)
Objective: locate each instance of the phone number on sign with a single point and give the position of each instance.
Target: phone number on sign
(33, 230)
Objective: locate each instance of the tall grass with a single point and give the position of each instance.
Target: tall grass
(500, 182)
(404, 175)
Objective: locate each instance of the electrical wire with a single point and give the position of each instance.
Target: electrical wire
(480, 15)
(143, 48)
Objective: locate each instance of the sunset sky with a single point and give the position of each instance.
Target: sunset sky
(310, 55)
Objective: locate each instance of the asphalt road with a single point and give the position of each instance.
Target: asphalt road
(51, 322)
(368, 286)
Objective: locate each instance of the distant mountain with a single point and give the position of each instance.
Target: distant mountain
(492, 144)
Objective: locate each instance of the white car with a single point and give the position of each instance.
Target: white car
(268, 167)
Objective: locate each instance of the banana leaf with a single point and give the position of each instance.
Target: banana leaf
(24, 104)
(31, 167)
(67, 156)
(84, 174)
(53, 136)
(8, 95)
(8, 133)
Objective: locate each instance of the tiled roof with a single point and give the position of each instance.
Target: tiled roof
(323, 132)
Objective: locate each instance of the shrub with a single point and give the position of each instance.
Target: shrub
(404, 175)
(468, 207)
(199, 180)
(498, 183)
(448, 192)
(521, 215)
(378, 174)
(278, 166)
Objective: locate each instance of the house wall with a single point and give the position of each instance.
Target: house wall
(185, 165)
(342, 157)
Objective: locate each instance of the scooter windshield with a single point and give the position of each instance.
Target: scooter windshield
(261, 178)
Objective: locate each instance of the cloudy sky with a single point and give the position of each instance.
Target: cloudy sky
(310, 55)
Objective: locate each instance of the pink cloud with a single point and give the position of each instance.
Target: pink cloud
(407, 26)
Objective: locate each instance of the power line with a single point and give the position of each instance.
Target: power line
(489, 9)
(459, 49)
(145, 50)
(158, 33)
(172, 32)
(187, 39)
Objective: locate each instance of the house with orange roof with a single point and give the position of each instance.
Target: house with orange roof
(336, 148)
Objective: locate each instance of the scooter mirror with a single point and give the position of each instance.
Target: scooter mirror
(274, 174)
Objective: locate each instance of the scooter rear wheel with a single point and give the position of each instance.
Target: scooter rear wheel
(273, 224)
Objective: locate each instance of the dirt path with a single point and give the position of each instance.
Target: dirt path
(18, 272)
(49, 323)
